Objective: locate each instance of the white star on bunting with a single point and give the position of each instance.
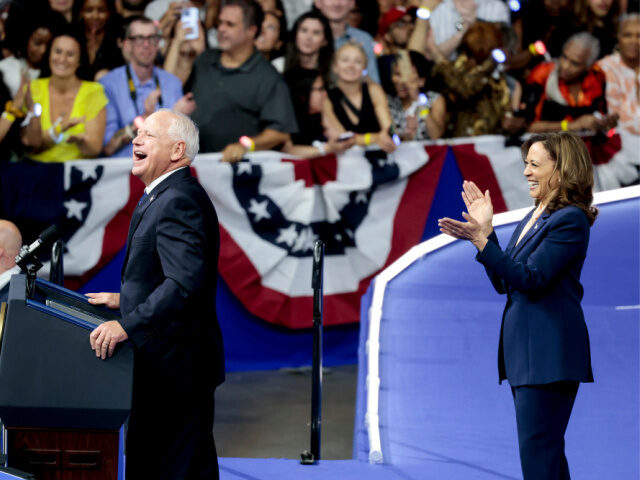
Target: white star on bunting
(259, 209)
(287, 235)
(74, 208)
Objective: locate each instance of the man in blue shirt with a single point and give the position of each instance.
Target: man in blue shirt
(337, 12)
(138, 88)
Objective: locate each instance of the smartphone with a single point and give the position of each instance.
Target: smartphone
(190, 18)
(345, 136)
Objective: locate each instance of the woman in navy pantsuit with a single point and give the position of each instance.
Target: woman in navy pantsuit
(544, 344)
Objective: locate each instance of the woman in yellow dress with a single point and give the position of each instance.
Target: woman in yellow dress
(73, 111)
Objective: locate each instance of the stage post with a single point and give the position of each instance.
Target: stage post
(310, 457)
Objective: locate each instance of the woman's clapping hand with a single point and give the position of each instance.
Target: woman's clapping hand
(479, 217)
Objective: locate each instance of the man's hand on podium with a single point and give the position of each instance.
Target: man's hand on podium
(105, 338)
(108, 299)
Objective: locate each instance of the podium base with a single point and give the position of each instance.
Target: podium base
(59, 454)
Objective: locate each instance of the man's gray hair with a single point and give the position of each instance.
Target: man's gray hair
(183, 128)
(589, 42)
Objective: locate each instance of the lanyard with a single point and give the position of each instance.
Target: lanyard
(134, 94)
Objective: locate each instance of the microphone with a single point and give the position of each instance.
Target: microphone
(27, 253)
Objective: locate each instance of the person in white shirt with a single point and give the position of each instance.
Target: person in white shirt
(451, 19)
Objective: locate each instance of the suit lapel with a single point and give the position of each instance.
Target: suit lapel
(533, 231)
(139, 211)
(135, 220)
(516, 233)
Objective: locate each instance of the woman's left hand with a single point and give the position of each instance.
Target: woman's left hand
(470, 230)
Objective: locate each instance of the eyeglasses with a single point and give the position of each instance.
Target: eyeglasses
(141, 39)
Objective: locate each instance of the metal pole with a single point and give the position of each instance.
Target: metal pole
(56, 274)
(313, 456)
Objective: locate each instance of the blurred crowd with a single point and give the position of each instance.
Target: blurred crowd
(311, 77)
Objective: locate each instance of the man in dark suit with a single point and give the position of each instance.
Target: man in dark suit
(10, 243)
(167, 302)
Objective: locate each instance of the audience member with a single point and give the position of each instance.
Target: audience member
(100, 25)
(249, 98)
(10, 243)
(478, 94)
(411, 111)
(273, 35)
(622, 70)
(421, 39)
(64, 8)
(307, 67)
(395, 29)
(182, 52)
(547, 21)
(168, 12)
(311, 45)
(398, 34)
(600, 19)
(452, 18)
(569, 94)
(271, 6)
(138, 88)
(131, 8)
(28, 41)
(355, 105)
(77, 106)
(337, 12)
(308, 93)
(11, 148)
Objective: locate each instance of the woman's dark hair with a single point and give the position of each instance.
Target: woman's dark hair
(78, 4)
(575, 171)
(300, 81)
(84, 71)
(588, 20)
(292, 58)
(421, 64)
(282, 36)
(19, 28)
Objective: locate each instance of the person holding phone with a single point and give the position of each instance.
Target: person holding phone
(356, 105)
(188, 42)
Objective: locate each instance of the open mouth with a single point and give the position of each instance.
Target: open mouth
(138, 155)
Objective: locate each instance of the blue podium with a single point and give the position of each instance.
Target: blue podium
(62, 406)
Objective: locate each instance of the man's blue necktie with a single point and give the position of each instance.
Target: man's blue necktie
(144, 195)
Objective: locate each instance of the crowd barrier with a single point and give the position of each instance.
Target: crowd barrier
(368, 207)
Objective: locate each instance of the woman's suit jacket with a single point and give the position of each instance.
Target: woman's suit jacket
(543, 337)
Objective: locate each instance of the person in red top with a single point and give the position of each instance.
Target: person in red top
(569, 94)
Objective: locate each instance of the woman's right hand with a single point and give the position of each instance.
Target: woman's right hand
(478, 205)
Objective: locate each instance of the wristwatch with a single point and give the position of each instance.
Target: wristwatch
(460, 25)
